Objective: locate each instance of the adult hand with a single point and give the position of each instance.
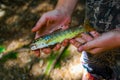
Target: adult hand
(98, 43)
(50, 22)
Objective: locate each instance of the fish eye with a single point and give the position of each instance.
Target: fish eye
(33, 46)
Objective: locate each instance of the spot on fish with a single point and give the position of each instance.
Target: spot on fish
(47, 38)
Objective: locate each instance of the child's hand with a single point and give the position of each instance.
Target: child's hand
(98, 43)
(50, 22)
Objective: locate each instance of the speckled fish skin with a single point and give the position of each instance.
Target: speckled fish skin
(56, 37)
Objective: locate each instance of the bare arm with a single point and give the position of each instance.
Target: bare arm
(66, 5)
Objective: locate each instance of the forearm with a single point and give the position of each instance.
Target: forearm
(67, 6)
(118, 37)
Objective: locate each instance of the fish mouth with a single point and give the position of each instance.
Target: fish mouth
(33, 47)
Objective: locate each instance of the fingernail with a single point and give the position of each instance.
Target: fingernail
(93, 32)
(65, 42)
(58, 46)
(82, 34)
(47, 50)
(80, 49)
(37, 53)
(33, 30)
(77, 45)
(72, 41)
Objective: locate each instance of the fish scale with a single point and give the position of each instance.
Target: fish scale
(56, 37)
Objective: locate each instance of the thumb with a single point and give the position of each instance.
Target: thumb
(90, 45)
(96, 50)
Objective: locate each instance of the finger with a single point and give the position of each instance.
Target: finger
(87, 46)
(72, 41)
(80, 40)
(95, 34)
(39, 24)
(75, 43)
(80, 49)
(65, 42)
(37, 35)
(90, 45)
(47, 50)
(57, 47)
(96, 50)
(86, 37)
(65, 27)
(37, 53)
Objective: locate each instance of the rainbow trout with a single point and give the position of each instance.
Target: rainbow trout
(56, 37)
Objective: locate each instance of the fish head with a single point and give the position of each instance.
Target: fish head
(38, 45)
(33, 46)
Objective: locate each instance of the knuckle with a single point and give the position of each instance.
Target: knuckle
(44, 15)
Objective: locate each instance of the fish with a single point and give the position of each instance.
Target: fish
(56, 37)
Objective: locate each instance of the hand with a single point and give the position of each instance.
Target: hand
(50, 22)
(99, 43)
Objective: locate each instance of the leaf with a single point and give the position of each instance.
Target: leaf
(10, 55)
(2, 49)
(52, 60)
(62, 57)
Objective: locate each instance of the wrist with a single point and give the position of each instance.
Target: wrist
(63, 10)
(66, 6)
